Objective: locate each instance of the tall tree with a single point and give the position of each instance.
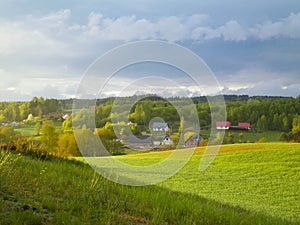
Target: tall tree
(24, 109)
(139, 114)
(7, 135)
(262, 123)
(67, 125)
(49, 136)
(296, 128)
(147, 111)
(38, 127)
(67, 145)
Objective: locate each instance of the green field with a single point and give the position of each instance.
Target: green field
(245, 184)
(28, 129)
(261, 178)
(248, 136)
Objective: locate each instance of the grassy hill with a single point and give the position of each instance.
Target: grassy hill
(246, 184)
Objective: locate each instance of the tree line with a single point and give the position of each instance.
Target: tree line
(263, 112)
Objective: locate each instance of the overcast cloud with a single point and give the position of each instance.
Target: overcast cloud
(45, 51)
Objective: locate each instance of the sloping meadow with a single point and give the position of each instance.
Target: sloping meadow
(245, 184)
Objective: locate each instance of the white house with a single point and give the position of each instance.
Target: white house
(167, 140)
(157, 126)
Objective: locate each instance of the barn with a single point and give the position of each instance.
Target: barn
(223, 125)
(244, 125)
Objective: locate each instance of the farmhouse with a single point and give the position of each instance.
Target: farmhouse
(241, 126)
(192, 141)
(223, 125)
(157, 126)
(244, 125)
(167, 140)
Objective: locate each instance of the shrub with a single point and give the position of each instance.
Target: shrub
(283, 137)
(203, 142)
(67, 145)
(29, 146)
(262, 140)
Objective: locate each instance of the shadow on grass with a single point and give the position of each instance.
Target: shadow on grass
(69, 192)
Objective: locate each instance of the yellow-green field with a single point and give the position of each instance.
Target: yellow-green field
(259, 177)
(245, 184)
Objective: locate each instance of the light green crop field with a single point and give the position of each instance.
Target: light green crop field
(28, 129)
(248, 136)
(262, 178)
(245, 184)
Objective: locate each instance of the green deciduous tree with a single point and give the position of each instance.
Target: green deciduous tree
(296, 128)
(67, 145)
(67, 125)
(24, 110)
(139, 114)
(49, 136)
(38, 127)
(86, 141)
(109, 139)
(262, 123)
(7, 135)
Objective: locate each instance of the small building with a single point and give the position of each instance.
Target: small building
(167, 140)
(14, 124)
(131, 124)
(65, 116)
(223, 125)
(30, 117)
(241, 126)
(193, 141)
(139, 142)
(244, 125)
(157, 126)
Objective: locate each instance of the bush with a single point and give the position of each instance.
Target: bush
(283, 137)
(67, 145)
(29, 146)
(262, 140)
(203, 142)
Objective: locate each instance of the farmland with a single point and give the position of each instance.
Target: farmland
(260, 177)
(248, 136)
(246, 184)
(263, 178)
(29, 129)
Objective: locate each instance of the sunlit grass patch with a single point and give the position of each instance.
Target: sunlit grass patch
(245, 184)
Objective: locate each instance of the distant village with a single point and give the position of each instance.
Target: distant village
(160, 138)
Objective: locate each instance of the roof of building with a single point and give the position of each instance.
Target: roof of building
(159, 125)
(140, 139)
(194, 137)
(243, 124)
(223, 123)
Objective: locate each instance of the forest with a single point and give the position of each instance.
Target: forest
(56, 120)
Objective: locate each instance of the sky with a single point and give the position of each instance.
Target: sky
(46, 47)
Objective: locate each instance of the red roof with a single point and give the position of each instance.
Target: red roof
(223, 124)
(244, 125)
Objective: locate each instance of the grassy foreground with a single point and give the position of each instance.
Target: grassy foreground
(246, 184)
